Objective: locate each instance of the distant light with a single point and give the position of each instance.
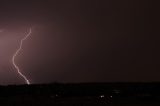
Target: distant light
(111, 96)
(102, 96)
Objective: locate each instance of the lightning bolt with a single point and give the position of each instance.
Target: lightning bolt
(16, 53)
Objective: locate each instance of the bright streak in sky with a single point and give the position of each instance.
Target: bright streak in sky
(17, 52)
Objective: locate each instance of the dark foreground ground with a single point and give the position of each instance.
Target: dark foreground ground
(89, 94)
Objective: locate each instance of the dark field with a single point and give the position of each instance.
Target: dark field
(88, 94)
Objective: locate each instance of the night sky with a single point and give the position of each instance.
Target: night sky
(80, 41)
